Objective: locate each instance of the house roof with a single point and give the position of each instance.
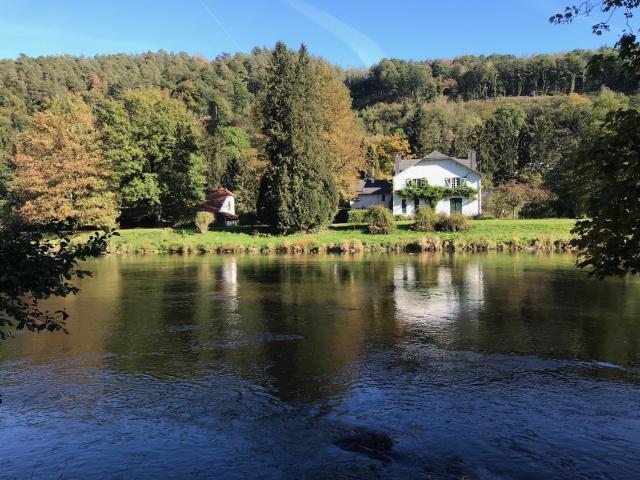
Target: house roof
(371, 187)
(402, 164)
(214, 198)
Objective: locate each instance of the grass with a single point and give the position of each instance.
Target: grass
(542, 234)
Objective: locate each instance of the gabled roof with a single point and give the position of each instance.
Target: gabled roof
(370, 187)
(435, 156)
(214, 198)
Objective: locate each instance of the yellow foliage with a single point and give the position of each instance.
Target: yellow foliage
(59, 173)
(381, 151)
(342, 135)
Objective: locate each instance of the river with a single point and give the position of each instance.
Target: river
(384, 366)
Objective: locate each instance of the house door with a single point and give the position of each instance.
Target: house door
(455, 205)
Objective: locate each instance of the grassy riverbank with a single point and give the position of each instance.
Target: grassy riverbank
(544, 234)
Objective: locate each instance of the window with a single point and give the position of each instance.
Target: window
(416, 203)
(404, 205)
(383, 197)
(454, 182)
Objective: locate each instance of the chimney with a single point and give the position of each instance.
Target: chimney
(396, 164)
(473, 162)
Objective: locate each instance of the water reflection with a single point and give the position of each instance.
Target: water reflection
(254, 349)
(431, 290)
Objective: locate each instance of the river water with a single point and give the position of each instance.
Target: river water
(400, 366)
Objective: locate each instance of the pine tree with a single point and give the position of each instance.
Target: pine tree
(298, 190)
(59, 173)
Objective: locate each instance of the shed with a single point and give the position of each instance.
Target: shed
(222, 203)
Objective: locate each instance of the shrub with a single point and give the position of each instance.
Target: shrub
(203, 220)
(358, 215)
(247, 218)
(455, 222)
(381, 220)
(484, 216)
(426, 220)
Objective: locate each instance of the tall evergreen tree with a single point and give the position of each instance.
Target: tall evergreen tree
(298, 191)
(499, 141)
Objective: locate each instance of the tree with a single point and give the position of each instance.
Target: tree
(419, 132)
(511, 197)
(609, 240)
(298, 190)
(234, 164)
(381, 151)
(499, 139)
(59, 171)
(153, 145)
(36, 265)
(341, 134)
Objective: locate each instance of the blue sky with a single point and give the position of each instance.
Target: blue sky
(348, 32)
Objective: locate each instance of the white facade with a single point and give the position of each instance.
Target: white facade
(369, 200)
(437, 169)
(228, 205)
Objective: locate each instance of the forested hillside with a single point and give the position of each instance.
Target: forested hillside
(152, 130)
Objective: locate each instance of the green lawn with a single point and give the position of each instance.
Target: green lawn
(484, 235)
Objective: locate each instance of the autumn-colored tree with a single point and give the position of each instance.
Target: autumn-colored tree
(381, 151)
(342, 135)
(59, 172)
(509, 198)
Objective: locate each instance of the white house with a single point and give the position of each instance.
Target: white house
(437, 169)
(372, 192)
(222, 203)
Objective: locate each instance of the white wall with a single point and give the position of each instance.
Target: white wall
(436, 172)
(364, 201)
(229, 205)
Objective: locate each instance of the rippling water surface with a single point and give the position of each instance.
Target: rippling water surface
(260, 367)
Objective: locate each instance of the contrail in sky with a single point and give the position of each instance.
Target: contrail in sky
(367, 50)
(217, 20)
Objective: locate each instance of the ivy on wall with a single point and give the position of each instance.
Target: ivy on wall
(432, 194)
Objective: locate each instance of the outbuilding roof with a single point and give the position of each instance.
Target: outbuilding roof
(214, 198)
(371, 187)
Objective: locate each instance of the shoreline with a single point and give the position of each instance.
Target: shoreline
(547, 235)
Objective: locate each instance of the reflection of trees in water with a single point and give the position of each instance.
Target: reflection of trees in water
(184, 315)
(522, 304)
(189, 310)
(92, 313)
(558, 313)
(333, 302)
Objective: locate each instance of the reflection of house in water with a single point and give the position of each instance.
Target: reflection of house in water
(230, 276)
(436, 293)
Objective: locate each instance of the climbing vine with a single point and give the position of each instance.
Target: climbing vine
(432, 194)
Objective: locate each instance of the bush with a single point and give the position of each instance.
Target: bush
(358, 215)
(455, 222)
(426, 220)
(381, 220)
(203, 220)
(247, 218)
(484, 216)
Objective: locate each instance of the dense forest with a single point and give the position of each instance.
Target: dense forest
(134, 139)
